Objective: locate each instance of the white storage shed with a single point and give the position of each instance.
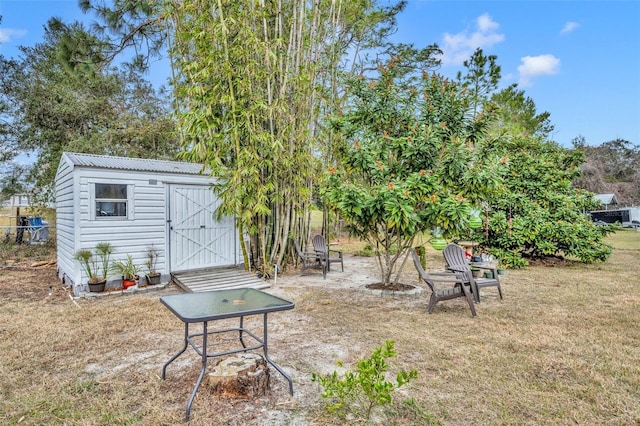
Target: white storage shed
(136, 203)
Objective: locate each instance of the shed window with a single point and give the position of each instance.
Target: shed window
(111, 200)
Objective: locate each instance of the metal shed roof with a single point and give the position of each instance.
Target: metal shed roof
(606, 199)
(136, 164)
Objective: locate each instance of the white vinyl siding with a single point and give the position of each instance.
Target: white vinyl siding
(65, 225)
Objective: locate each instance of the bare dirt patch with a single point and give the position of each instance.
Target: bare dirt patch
(390, 287)
(32, 284)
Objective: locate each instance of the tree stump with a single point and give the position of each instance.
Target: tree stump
(242, 376)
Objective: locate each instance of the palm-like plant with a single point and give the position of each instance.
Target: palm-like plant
(104, 251)
(127, 268)
(152, 260)
(95, 265)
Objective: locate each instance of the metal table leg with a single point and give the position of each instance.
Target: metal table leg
(202, 370)
(240, 332)
(266, 356)
(184, 348)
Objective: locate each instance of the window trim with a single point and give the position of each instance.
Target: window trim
(93, 200)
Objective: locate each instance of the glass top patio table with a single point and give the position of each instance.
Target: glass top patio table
(221, 304)
(218, 305)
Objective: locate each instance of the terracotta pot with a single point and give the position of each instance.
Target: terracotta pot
(128, 283)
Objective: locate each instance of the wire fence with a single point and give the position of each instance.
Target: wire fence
(26, 234)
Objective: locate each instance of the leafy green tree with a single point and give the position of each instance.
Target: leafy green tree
(11, 173)
(611, 167)
(414, 159)
(538, 213)
(518, 114)
(481, 77)
(7, 144)
(137, 27)
(12, 179)
(67, 98)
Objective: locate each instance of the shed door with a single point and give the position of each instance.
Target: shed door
(197, 239)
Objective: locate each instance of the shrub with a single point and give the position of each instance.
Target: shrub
(360, 391)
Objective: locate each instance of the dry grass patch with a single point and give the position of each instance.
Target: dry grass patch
(562, 348)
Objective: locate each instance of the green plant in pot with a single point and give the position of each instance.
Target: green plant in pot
(501, 269)
(152, 276)
(128, 270)
(96, 265)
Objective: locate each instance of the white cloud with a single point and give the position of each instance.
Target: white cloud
(6, 34)
(486, 24)
(457, 48)
(534, 66)
(569, 27)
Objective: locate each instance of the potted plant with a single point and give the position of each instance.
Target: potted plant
(96, 265)
(501, 269)
(153, 276)
(128, 270)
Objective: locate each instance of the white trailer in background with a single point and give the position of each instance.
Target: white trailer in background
(626, 216)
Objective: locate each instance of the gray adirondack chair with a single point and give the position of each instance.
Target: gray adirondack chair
(310, 259)
(322, 248)
(459, 288)
(456, 260)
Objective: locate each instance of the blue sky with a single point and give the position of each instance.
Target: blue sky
(578, 60)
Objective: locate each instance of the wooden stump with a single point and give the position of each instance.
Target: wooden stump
(245, 375)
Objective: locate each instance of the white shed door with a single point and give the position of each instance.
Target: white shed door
(197, 239)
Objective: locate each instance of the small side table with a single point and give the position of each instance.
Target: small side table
(221, 304)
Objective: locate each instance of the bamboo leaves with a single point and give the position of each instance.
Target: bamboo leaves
(251, 82)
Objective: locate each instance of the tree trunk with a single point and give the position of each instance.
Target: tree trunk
(245, 375)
